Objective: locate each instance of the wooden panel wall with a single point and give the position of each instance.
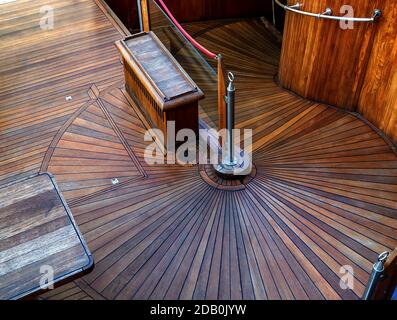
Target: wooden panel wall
(198, 10)
(126, 11)
(321, 61)
(352, 69)
(233, 8)
(378, 98)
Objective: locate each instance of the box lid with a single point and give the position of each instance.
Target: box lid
(160, 68)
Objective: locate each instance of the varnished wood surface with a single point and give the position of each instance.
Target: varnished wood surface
(198, 10)
(352, 69)
(160, 68)
(37, 230)
(39, 69)
(324, 194)
(321, 61)
(378, 98)
(165, 91)
(89, 150)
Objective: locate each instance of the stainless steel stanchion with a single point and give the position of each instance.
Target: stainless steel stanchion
(376, 275)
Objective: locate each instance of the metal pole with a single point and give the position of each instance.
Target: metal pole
(376, 275)
(274, 13)
(230, 100)
(139, 6)
(231, 164)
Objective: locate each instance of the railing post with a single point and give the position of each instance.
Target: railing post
(144, 18)
(376, 275)
(388, 282)
(230, 100)
(235, 163)
(139, 7)
(221, 95)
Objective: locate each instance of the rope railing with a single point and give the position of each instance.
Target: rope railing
(197, 45)
(211, 55)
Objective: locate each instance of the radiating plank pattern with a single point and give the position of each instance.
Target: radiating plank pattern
(324, 194)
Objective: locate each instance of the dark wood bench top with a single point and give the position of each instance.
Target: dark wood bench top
(37, 229)
(159, 67)
(158, 70)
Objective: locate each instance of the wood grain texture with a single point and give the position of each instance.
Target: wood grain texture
(159, 68)
(320, 61)
(165, 91)
(40, 68)
(90, 151)
(324, 194)
(198, 10)
(352, 69)
(378, 98)
(37, 230)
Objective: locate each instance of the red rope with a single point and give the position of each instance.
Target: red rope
(194, 42)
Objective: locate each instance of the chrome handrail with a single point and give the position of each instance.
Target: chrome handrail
(327, 14)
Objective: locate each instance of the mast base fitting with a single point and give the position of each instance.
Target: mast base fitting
(232, 171)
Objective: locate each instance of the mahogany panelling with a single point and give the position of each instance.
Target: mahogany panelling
(378, 99)
(320, 60)
(197, 10)
(126, 11)
(193, 10)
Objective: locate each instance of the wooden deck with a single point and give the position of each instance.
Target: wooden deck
(324, 195)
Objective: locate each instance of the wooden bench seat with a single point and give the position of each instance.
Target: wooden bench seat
(153, 77)
(38, 233)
